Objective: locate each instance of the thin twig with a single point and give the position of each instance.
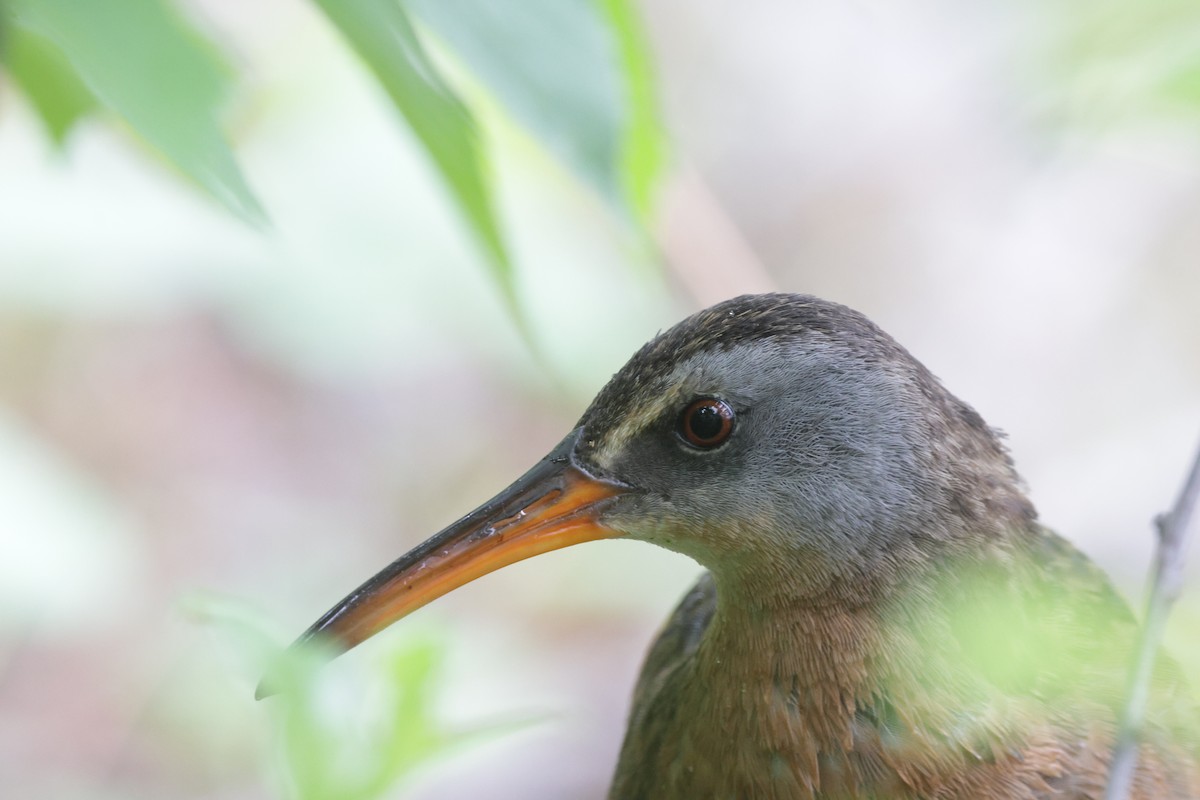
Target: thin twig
(1166, 584)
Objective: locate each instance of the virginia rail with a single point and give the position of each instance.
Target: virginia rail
(883, 616)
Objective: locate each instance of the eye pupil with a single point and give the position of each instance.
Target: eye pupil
(706, 423)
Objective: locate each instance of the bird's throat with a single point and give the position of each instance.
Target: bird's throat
(791, 710)
(819, 699)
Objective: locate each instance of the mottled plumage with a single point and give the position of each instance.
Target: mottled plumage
(835, 728)
(972, 654)
(883, 616)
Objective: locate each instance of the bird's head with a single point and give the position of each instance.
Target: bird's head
(786, 434)
(774, 438)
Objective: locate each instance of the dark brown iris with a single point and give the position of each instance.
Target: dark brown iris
(706, 423)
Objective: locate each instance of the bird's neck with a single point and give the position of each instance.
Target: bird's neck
(818, 657)
(819, 683)
(807, 664)
(829, 654)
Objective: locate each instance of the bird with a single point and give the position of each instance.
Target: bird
(882, 615)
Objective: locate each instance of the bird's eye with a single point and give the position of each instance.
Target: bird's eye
(706, 423)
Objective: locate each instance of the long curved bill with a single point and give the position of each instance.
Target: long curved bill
(553, 505)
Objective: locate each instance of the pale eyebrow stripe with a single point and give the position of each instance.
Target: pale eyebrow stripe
(642, 415)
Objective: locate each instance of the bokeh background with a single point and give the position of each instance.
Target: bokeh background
(210, 431)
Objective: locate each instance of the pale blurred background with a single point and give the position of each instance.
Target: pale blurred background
(194, 409)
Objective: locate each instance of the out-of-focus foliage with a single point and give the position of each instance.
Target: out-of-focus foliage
(1120, 60)
(380, 32)
(644, 146)
(576, 74)
(329, 757)
(333, 750)
(142, 60)
(188, 403)
(48, 80)
(1037, 630)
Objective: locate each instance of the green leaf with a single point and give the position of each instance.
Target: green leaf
(48, 80)
(1125, 59)
(141, 59)
(416, 735)
(574, 73)
(382, 35)
(552, 65)
(644, 146)
(1183, 86)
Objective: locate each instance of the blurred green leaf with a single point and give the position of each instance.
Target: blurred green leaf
(329, 750)
(1126, 58)
(644, 147)
(331, 757)
(574, 73)
(415, 736)
(382, 35)
(334, 746)
(1183, 85)
(552, 64)
(48, 80)
(141, 59)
